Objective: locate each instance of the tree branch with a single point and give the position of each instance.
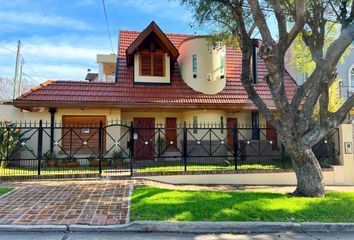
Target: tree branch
(260, 20)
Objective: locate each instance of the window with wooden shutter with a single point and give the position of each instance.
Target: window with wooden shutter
(152, 64)
(158, 69)
(145, 63)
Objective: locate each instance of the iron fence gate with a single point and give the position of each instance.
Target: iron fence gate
(116, 148)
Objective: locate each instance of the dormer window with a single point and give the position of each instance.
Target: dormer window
(152, 64)
(152, 55)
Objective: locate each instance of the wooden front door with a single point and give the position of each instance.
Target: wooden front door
(271, 135)
(145, 142)
(171, 133)
(231, 122)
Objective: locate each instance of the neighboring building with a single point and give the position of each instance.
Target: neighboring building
(161, 78)
(345, 72)
(107, 65)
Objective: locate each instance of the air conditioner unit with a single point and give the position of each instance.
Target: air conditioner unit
(208, 77)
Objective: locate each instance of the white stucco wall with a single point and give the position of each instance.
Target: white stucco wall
(208, 63)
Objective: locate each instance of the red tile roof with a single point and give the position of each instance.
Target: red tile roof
(125, 93)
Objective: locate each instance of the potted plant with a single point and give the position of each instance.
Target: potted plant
(94, 161)
(69, 161)
(49, 159)
(117, 158)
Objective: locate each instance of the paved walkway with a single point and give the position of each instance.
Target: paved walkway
(66, 202)
(174, 236)
(227, 188)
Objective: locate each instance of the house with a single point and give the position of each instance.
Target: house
(158, 79)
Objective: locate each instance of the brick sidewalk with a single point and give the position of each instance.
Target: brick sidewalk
(67, 202)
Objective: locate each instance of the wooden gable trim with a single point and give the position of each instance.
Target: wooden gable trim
(165, 41)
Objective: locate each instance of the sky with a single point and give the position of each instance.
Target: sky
(60, 38)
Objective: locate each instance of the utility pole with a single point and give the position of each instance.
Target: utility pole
(18, 72)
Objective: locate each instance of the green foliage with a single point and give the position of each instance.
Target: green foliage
(328, 162)
(4, 190)
(302, 58)
(335, 99)
(10, 137)
(92, 158)
(217, 18)
(69, 159)
(178, 205)
(117, 158)
(161, 145)
(49, 156)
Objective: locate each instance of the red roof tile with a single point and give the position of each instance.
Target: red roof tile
(126, 93)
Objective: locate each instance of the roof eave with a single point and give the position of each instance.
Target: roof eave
(28, 105)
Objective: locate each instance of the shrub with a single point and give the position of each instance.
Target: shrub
(117, 158)
(161, 145)
(10, 137)
(69, 159)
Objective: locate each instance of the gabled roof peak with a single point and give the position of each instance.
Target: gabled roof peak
(152, 28)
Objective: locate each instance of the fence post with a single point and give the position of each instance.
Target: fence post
(52, 112)
(100, 148)
(235, 146)
(40, 146)
(283, 155)
(131, 147)
(185, 146)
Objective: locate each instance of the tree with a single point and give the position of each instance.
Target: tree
(6, 87)
(302, 60)
(299, 130)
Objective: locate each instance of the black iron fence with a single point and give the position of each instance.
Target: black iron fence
(37, 148)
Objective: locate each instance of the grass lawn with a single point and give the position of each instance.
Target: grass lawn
(201, 167)
(4, 190)
(149, 203)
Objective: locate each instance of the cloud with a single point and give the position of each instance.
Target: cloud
(55, 57)
(34, 18)
(58, 71)
(62, 52)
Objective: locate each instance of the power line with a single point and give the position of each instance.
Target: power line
(47, 11)
(30, 78)
(109, 32)
(40, 69)
(8, 49)
(40, 76)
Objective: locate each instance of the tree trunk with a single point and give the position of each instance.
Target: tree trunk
(307, 169)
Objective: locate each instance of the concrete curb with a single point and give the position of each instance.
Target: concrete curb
(190, 227)
(33, 228)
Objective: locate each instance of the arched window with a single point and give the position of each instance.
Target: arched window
(351, 79)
